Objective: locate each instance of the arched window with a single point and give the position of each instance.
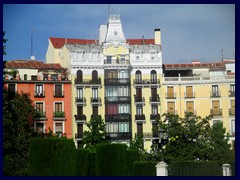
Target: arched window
(94, 76)
(138, 76)
(79, 76)
(153, 76)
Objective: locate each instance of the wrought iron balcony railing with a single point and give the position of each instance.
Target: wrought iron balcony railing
(58, 93)
(215, 94)
(216, 112)
(39, 114)
(146, 81)
(117, 81)
(118, 99)
(118, 135)
(39, 94)
(80, 117)
(140, 117)
(88, 81)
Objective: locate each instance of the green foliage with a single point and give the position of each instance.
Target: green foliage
(96, 133)
(137, 144)
(192, 138)
(132, 156)
(141, 168)
(82, 162)
(16, 133)
(92, 164)
(52, 157)
(111, 159)
(195, 168)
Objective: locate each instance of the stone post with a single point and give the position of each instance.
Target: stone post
(226, 170)
(161, 169)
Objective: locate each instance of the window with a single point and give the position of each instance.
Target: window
(117, 127)
(138, 76)
(232, 87)
(189, 91)
(137, 56)
(215, 91)
(153, 76)
(95, 93)
(34, 78)
(58, 107)
(11, 89)
(39, 127)
(39, 90)
(122, 60)
(79, 76)
(25, 76)
(58, 90)
(54, 77)
(94, 56)
(45, 77)
(111, 109)
(39, 106)
(153, 56)
(79, 93)
(94, 76)
(170, 92)
(190, 106)
(58, 127)
(154, 110)
(171, 107)
(79, 56)
(95, 110)
(124, 108)
(109, 59)
(139, 110)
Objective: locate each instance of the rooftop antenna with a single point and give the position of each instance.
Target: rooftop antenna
(32, 56)
(222, 54)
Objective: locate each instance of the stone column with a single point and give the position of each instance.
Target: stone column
(226, 170)
(161, 169)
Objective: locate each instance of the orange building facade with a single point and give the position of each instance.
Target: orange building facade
(50, 91)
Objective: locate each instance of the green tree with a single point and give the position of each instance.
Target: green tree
(192, 138)
(96, 133)
(222, 151)
(17, 131)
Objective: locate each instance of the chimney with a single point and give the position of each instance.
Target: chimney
(143, 41)
(157, 36)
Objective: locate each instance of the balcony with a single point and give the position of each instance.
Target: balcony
(231, 93)
(148, 135)
(58, 94)
(215, 94)
(80, 101)
(170, 95)
(39, 114)
(118, 99)
(96, 101)
(78, 135)
(231, 112)
(80, 118)
(118, 135)
(216, 112)
(57, 114)
(39, 94)
(139, 100)
(154, 100)
(146, 82)
(117, 81)
(88, 83)
(118, 117)
(189, 95)
(140, 118)
(117, 62)
(153, 117)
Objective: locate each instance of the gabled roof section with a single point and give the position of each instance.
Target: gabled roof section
(32, 64)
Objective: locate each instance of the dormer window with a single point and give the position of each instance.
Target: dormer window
(137, 56)
(153, 56)
(94, 56)
(78, 56)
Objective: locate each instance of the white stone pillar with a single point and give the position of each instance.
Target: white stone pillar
(226, 170)
(161, 169)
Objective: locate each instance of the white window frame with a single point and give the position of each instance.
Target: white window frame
(44, 125)
(54, 126)
(58, 102)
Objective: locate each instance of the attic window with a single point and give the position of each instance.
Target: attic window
(137, 56)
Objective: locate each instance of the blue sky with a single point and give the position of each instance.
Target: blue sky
(189, 31)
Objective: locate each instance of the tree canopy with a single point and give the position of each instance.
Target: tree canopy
(17, 132)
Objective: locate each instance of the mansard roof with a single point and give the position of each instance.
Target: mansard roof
(84, 48)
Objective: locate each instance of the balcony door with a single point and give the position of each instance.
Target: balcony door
(154, 94)
(216, 107)
(232, 104)
(171, 107)
(79, 76)
(190, 106)
(170, 92)
(189, 91)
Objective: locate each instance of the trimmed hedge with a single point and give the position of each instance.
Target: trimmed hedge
(142, 168)
(132, 156)
(52, 157)
(111, 159)
(195, 168)
(92, 164)
(82, 162)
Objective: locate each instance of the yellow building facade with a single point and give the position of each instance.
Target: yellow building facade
(125, 81)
